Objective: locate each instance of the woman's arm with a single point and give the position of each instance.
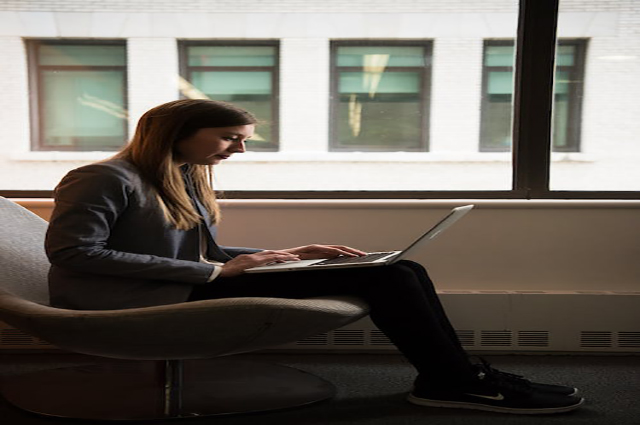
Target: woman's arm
(89, 202)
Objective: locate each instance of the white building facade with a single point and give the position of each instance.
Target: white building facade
(456, 88)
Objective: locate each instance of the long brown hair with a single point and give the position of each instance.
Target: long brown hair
(152, 151)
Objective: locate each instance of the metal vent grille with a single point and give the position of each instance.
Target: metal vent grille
(533, 338)
(320, 339)
(377, 337)
(348, 337)
(596, 339)
(467, 338)
(629, 339)
(17, 338)
(495, 338)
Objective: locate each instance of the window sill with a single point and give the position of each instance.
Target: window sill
(399, 157)
(359, 157)
(377, 204)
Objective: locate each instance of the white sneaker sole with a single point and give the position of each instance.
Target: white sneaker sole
(479, 406)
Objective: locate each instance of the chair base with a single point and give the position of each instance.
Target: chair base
(123, 391)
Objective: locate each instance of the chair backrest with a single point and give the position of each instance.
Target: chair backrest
(23, 263)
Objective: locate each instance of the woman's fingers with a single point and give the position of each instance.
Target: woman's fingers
(265, 257)
(242, 262)
(325, 251)
(348, 250)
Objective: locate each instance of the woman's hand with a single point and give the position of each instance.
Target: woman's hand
(246, 261)
(310, 252)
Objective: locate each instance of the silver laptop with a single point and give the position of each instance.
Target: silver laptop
(372, 258)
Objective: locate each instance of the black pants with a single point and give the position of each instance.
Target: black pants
(403, 302)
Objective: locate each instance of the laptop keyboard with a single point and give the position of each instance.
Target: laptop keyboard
(351, 260)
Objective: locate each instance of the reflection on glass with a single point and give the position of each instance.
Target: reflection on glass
(497, 100)
(82, 103)
(380, 92)
(242, 75)
(221, 56)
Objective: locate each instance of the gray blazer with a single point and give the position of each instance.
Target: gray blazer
(110, 246)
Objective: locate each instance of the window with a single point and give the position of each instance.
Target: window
(497, 86)
(380, 96)
(386, 99)
(243, 73)
(79, 95)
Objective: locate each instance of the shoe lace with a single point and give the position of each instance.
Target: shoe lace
(504, 379)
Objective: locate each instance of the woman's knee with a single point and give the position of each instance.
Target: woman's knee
(417, 271)
(399, 273)
(416, 268)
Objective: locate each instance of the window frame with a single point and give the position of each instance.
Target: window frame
(36, 94)
(185, 72)
(425, 90)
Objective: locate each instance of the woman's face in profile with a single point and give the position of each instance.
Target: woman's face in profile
(210, 146)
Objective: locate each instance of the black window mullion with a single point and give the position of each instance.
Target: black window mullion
(533, 96)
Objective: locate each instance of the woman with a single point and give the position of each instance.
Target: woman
(139, 230)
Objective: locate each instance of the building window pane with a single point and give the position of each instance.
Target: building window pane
(380, 99)
(388, 56)
(81, 55)
(81, 96)
(245, 75)
(495, 129)
(231, 55)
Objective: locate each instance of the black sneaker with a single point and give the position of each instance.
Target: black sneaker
(546, 388)
(495, 393)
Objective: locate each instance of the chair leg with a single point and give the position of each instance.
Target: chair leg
(192, 388)
(173, 382)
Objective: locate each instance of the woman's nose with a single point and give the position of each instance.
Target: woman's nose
(238, 147)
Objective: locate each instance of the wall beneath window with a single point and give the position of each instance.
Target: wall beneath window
(500, 245)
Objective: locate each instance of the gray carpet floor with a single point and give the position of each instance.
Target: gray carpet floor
(372, 389)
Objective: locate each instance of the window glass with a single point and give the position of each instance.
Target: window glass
(81, 100)
(498, 96)
(380, 112)
(83, 109)
(83, 55)
(244, 75)
(231, 56)
(372, 56)
(379, 106)
(229, 86)
(374, 83)
(496, 55)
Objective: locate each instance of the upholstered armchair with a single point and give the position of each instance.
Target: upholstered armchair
(164, 380)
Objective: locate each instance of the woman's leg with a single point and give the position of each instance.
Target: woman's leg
(403, 305)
